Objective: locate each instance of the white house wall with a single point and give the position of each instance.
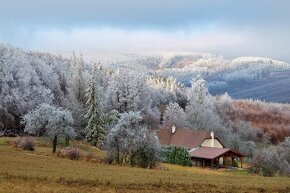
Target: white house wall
(207, 143)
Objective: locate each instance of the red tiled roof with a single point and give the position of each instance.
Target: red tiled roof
(182, 137)
(211, 152)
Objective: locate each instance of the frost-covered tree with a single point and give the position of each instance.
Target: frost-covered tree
(27, 80)
(165, 90)
(2, 110)
(266, 162)
(175, 115)
(70, 103)
(151, 117)
(284, 154)
(130, 142)
(200, 109)
(273, 160)
(202, 114)
(50, 121)
(127, 92)
(121, 138)
(79, 82)
(147, 151)
(94, 115)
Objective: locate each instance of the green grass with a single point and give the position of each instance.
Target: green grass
(40, 171)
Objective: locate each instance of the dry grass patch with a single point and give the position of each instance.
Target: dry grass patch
(35, 172)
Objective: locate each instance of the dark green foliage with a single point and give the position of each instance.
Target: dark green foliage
(176, 155)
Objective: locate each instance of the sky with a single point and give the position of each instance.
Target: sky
(231, 28)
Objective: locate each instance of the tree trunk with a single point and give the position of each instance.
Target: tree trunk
(66, 140)
(118, 151)
(54, 143)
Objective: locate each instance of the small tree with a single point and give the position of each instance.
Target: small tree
(51, 121)
(147, 151)
(130, 142)
(95, 127)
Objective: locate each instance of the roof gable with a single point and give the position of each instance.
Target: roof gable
(182, 137)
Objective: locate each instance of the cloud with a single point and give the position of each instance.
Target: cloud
(89, 40)
(227, 27)
(144, 13)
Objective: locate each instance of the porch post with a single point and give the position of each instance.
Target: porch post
(211, 163)
(195, 162)
(241, 159)
(203, 163)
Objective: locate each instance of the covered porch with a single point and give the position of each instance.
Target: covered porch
(210, 156)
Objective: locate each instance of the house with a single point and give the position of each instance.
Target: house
(204, 148)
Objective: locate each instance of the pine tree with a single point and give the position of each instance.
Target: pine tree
(95, 129)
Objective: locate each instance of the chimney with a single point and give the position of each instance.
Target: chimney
(212, 139)
(173, 129)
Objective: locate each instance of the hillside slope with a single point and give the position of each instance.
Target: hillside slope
(272, 118)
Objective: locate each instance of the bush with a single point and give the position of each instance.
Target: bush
(176, 155)
(72, 153)
(25, 143)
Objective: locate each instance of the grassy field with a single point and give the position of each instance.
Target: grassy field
(39, 171)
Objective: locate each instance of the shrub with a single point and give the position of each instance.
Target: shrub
(176, 155)
(72, 153)
(25, 143)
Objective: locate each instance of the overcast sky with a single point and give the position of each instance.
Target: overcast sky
(228, 27)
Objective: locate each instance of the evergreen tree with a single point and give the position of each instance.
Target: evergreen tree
(95, 129)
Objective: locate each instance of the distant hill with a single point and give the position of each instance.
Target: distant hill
(246, 77)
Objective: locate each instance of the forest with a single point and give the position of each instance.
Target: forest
(114, 109)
